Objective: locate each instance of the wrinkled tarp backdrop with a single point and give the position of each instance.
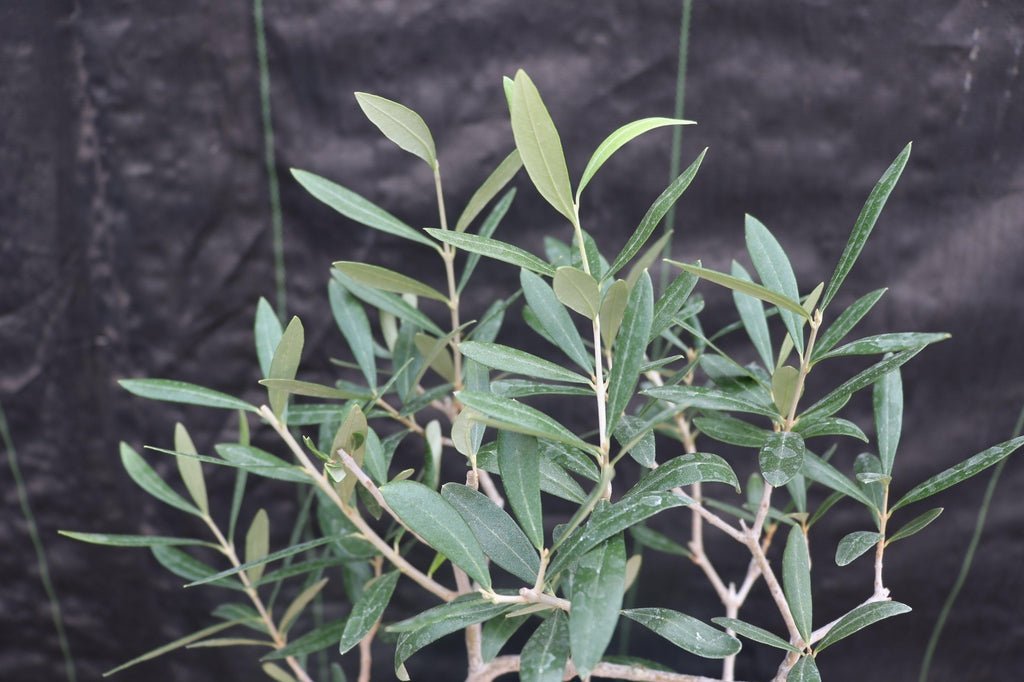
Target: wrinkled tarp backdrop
(135, 240)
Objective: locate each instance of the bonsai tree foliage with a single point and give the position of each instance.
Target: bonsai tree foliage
(658, 394)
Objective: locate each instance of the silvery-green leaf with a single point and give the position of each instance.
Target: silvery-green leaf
(191, 470)
(435, 520)
(147, 479)
(960, 472)
(513, 415)
(299, 604)
(839, 396)
(754, 633)
(435, 356)
(355, 327)
(495, 634)
(752, 315)
(285, 363)
(129, 540)
(499, 536)
(865, 223)
(546, 652)
(493, 248)
(553, 479)
(829, 426)
(257, 544)
(860, 618)
(652, 539)
(617, 139)
(915, 525)
(494, 183)
(885, 343)
(731, 430)
(311, 390)
(515, 361)
(400, 124)
(776, 274)
(805, 670)
(755, 290)
(519, 464)
(442, 620)
(630, 349)
(651, 255)
(782, 457)
(846, 321)
(887, 400)
(540, 147)
(686, 632)
(486, 231)
(704, 398)
(183, 392)
(273, 556)
(357, 208)
(389, 303)
(598, 585)
(367, 610)
(554, 319)
(524, 388)
(671, 302)
(854, 544)
(577, 290)
(820, 471)
(654, 215)
(613, 307)
(267, 332)
(315, 640)
(177, 644)
(697, 467)
(628, 429)
(796, 580)
(388, 280)
(784, 386)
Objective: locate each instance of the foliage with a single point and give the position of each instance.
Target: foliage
(367, 456)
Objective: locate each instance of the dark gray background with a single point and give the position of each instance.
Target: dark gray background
(135, 241)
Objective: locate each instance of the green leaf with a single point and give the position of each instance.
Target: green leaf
(176, 644)
(554, 319)
(273, 556)
(311, 390)
(805, 670)
(630, 349)
(355, 327)
(277, 673)
(885, 343)
(519, 464)
(888, 405)
(671, 302)
(147, 479)
(388, 303)
(654, 214)
(846, 321)
(388, 280)
(829, 426)
(578, 290)
(598, 585)
(435, 520)
(617, 139)
(513, 415)
(651, 255)
(776, 273)
(487, 229)
(495, 634)
(188, 567)
(128, 540)
(313, 641)
(652, 539)
(499, 536)
(546, 652)
(261, 462)
(267, 333)
(796, 580)
(515, 361)
(494, 183)
(865, 223)
(754, 633)
(285, 363)
(915, 525)
(754, 320)
(357, 208)
(613, 308)
(755, 290)
(257, 544)
(435, 623)
(704, 398)
(820, 471)
(960, 472)
(686, 632)
(697, 467)
(839, 397)
(784, 384)
(367, 610)
(731, 430)
(855, 544)
(191, 470)
(540, 147)
(860, 618)
(182, 392)
(401, 125)
(781, 457)
(524, 388)
(299, 604)
(435, 356)
(553, 479)
(493, 248)
(633, 431)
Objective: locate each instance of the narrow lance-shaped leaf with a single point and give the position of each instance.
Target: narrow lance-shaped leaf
(888, 406)
(776, 274)
(367, 610)
(613, 309)
(671, 302)
(731, 430)
(357, 208)
(755, 290)
(784, 386)
(312, 390)
(705, 398)
(191, 470)
(860, 618)
(273, 556)
(960, 472)
(686, 632)
(267, 333)
(754, 633)
(318, 639)
(400, 124)
(299, 604)
(435, 520)
(494, 248)
(519, 465)
(443, 620)
(515, 361)
(128, 540)
(388, 280)
(796, 580)
(885, 343)
(805, 670)
(915, 525)
(554, 318)
(545, 653)
(182, 392)
(752, 315)
(285, 363)
(696, 467)
(865, 223)
(487, 229)
(495, 634)
(494, 183)
(257, 544)
(855, 544)
(846, 321)
(820, 471)
(782, 457)
(387, 303)
(540, 146)
(839, 396)
(578, 290)
(598, 585)
(177, 644)
(516, 416)
(630, 349)
(654, 215)
(351, 319)
(147, 479)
